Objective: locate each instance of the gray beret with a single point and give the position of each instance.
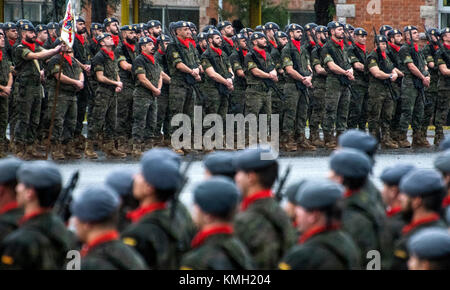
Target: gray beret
(442, 161)
(430, 243)
(253, 158)
(445, 144)
(358, 140)
(217, 195)
(121, 181)
(421, 182)
(162, 152)
(219, 163)
(160, 172)
(316, 194)
(8, 169)
(39, 174)
(393, 175)
(292, 189)
(447, 215)
(350, 163)
(95, 204)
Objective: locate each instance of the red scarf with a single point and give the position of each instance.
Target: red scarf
(93, 38)
(109, 53)
(257, 196)
(32, 215)
(273, 43)
(112, 235)
(184, 42)
(262, 52)
(446, 201)
(68, 58)
(152, 38)
(137, 214)
(31, 46)
(150, 57)
(12, 42)
(416, 47)
(10, 205)
(394, 46)
(244, 52)
(1, 55)
(340, 43)
(312, 43)
(349, 43)
(321, 44)
(297, 44)
(116, 39)
(230, 42)
(80, 37)
(193, 42)
(39, 42)
(203, 235)
(361, 46)
(383, 53)
(161, 52)
(350, 192)
(53, 39)
(216, 50)
(429, 219)
(130, 46)
(315, 231)
(447, 46)
(393, 211)
(203, 49)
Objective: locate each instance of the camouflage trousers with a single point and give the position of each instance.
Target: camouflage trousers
(337, 100)
(83, 98)
(65, 116)
(90, 104)
(104, 115)
(181, 101)
(318, 108)
(381, 109)
(441, 109)
(358, 111)
(12, 112)
(258, 100)
(3, 118)
(162, 119)
(125, 110)
(237, 101)
(215, 103)
(278, 105)
(44, 121)
(397, 111)
(28, 106)
(295, 111)
(310, 104)
(429, 109)
(143, 106)
(412, 107)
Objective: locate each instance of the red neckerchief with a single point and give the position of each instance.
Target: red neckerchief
(340, 43)
(390, 212)
(1, 55)
(349, 43)
(429, 219)
(152, 38)
(447, 46)
(361, 46)
(12, 42)
(109, 53)
(394, 46)
(184, 42)
(273, 43)
(10, 205)
(39, 42)
(446, 201)
(31, 46)
(112, 235)
(80, 37)
(416, 47)
(321, 44)
(95, 40)
(230, 42)
(312, 43)
(32, 215)
(68, 58)
(161, 52)
(201, 236)
(254, 197)
(203, 49)
(150, 57)
(193, 42)
(130, 46)
(116, 39)
(317, 230)
(216, 50)
(297, 44)
(244, 52)
(383, 53)
(137, 214)
(350, 192)
(262, 52)
(53, 39)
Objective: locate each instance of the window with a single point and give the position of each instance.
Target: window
(166, 15)
(32, 11)
(444, 13)
(302, 17)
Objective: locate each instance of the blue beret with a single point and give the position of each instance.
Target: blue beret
(253, 158)
(382, 38)
(79, 19)
(360, 31)
(420, 182)
(292, 190)
(257, 35)
(217, 195)
(271, 25)
(430, 243)
(385, 28)
(96, 203)
(445, 144)
(153, 23)
(180, 24)
(8, 169)
(433, 31)
(223, 24)
(127, 28)
(246, 30)
(52, 25)
(21, 22)
(28, 27)
(393, 175)
(321, 28)
(310, 26)
(350, 163)
(39, 174)
(281, 34)
(41, 27)
(102, 36)
(164, 38)
(219, 162)
(109, 20)
(393, 32)
(208, 27)
(409, 28)
(259, 28)
(9, 25)
(162, 152)
(294, 26)
(357, 139)
(121, 181)
(160, 172)
(334, 24)
(316, 194)
(442, 161)
(349, 27)
(213, 32)
(444, 30)
(96, 26)
(240, 36)
(192, 25)
(145, 40)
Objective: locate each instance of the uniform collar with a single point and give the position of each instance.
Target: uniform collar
(150, 57)
(394, 46)
(249, 200)
(138, 213)
(203, 235)
(446, 201)
(314, 231)
(108, 53)
(338, 43)
(9, 206)
(392, 211)
(297, 44)
(350, 192)
(33, 215)
(109, 236)
(230, 42)
(31, 46)
(425, 220)
(261, 52)
(216, 50)
(116, 39)
(184, 42)
(273, 42)
(80, 37)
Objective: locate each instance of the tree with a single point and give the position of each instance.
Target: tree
(325, 11)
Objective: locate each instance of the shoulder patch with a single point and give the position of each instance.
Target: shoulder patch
(129, 241)
(175, 54)
(400, 254)
(286, 59)
(7, 260)
(373, 61)
(328, 55)
(284, 266)
(185, 268)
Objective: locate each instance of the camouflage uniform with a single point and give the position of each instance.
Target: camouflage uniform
(443, 99)
(227, 47)
(277, 103)
(310, 46)
(266, 231)
(4, 77)
(318, 108)
(40, 243)
(328, 250)
(397, 86)
(238, 94)
(9, 220)
(162, 120)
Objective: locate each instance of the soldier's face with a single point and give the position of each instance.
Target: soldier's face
(141, 188)
(304, 219)
(156, 30)
(242, 43)
(113, 28)
(148, 48)
(446, 37)
(283, 41)
(335, 177)
(43, 36)
(414, 263)
(2, 40)
(203, 43)
(289, 208)
(184, 32)
(23, 194)
(261, 42)
(383, 46)
(389, 193)
(398, 39)
(198, 217)
(81, 27)
(322, 37)
(108, 41)
(96, 32)
(30, 36)
(81, 229)
(415, 35)
(52, 33)
(270, 33)
(242, 181)
(229, 31)
(339, 33)
(361, 39)
(297, 34)
(216, 41)
(130, 36)
(12, 34)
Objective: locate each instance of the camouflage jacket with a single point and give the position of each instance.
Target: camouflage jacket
(81, 51)
(9, 220)
(333, 52)
(249, 64)
(72, 71)
(361, 77)
(405, 58)
(222, 63)
(102, 62)
(123, 53)
(189, 58)
(302, 59)
(237, 63)
(430, 54)
(444, 81)
(373, 61)
(152, 71)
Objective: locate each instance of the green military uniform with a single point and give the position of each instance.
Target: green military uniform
(277, 103)
(240, 84)
(227, 46)
(393, 53)
(162, 120)
(144, 103)
(5, 69)
(41, 242)
(9, 220)
(319, 84)
(443, 98)
(310, 46)
(94, 49)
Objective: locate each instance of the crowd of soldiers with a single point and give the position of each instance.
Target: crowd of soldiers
(134, 220)
(132, 80)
